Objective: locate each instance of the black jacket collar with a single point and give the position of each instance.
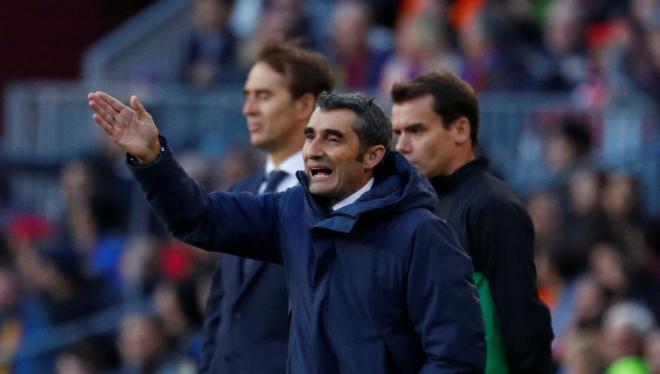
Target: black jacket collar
(444, 183)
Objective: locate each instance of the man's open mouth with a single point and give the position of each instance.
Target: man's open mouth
(320, 172)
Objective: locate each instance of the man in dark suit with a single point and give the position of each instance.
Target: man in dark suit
(246, 322)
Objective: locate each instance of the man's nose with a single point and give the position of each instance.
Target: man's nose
(249, 106)
(312, 148)
(402, 144)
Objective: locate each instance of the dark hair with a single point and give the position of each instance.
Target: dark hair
(372, 126)
(452, 98)
(306, 71)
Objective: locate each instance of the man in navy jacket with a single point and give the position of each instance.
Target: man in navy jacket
(246, 320)
(377, 283)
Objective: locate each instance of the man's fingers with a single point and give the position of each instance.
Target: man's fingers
(111, 101)
(102, 111)
(99, 105)
(137, 105)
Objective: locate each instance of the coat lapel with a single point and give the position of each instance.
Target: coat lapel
(252, 270)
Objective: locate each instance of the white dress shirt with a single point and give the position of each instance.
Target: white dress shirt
(354, 196)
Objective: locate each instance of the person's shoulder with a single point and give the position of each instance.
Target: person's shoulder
(292, 195)
(416, 217)
(485, 190)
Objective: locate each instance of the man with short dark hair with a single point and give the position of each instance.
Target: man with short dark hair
(436, 120)
(246, 322)
(377, 283)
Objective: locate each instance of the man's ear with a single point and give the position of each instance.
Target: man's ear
(373, 156)
(304, 106)
(461, 130)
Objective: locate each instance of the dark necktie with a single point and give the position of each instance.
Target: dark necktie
(273, 179)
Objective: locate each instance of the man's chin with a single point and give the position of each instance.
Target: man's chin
(320, 191)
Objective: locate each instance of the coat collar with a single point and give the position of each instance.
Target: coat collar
(397, 186)
(445, 183)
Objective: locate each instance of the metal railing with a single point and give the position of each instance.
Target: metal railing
(49, 123)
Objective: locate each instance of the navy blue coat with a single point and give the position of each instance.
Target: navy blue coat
(379, 286)
(246, 321)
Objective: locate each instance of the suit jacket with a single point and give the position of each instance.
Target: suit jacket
(246, 321)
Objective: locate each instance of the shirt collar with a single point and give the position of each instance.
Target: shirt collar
(354, 196)
(290, 165)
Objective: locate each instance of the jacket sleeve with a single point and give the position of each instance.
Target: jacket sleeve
(241, 224)
(504, 236)
(443, 302)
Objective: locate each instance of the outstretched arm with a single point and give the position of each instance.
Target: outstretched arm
(131, 128)
(240, 224)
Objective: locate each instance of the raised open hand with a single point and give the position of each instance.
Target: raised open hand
(131, 128)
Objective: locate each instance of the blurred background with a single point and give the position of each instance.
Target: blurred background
(90, 282)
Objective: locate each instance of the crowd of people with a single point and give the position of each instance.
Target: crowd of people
(596, 247)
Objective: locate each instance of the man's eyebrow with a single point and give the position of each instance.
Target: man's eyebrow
(308, 130)
(413, 126)
(334, 132)
(256, 91)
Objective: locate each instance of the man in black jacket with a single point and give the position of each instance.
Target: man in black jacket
(436, 120)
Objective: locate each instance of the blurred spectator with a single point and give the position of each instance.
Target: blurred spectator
(245, 17)
(11, 320)
(63, 291)
(356, 63)
(281, 20)
(76, 188)
(236, 164)
(545, 211)
(421, 45)
(103, 256)
(611, 269)
(624, 329)
(59, 292)
(563, 284)
(622, 276)
(621, 200)
(138, 266)
(638, 58)
(564, 66)
(177, 306)
(25, 231)
(568, 148)
(652, 351)
(584, 217)
(86, 357)
(211, 53)
(582, 353)
(490, 60)
(94, 216)
(143, 347)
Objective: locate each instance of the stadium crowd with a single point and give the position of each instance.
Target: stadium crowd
(597, 244)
